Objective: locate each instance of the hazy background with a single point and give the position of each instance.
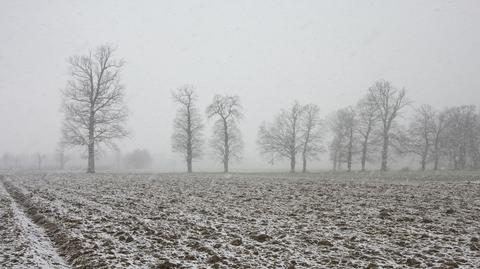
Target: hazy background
(267, 52)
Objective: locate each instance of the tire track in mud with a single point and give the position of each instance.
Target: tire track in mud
(64, 250)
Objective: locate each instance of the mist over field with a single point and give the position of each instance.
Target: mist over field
(269, 54)
(239, 134)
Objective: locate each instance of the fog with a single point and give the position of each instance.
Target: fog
(269, 53)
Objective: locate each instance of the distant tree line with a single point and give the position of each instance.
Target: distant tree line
(36, 161)
(366, 132)
(295, 131)
(369, 126)
(448, 138)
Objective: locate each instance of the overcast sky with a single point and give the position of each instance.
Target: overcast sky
(267, 52)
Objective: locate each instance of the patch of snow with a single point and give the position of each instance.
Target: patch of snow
(40, 250)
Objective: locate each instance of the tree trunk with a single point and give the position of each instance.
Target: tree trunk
(292, 163)
(189, 164)
(227, 148)
(424, 158)
(384, 152)
(335, 161)
(293, 150)
(304, 153)
(364, 155)
(461, 159)
(189, 141)
(304, 168)
(349, 161)
(91, 157)
(225, 166)
(435, 161)
(365, 145)
(350, 152)
(91, 145)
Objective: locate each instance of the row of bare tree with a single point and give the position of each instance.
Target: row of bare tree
(449, 138)
(188, 138)
(95, 115)
(11, 161)
(367, 127)
(294, 131)
(355, 130)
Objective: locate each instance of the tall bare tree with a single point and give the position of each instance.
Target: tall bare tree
(226, 140)
(343, 125)
(337, 155)
(367, 120)
(93, 102)
(187, 137)
(388, 101)
(282, 137)
(421, 134)
(311, 134)
(439, 123)
(462, 135)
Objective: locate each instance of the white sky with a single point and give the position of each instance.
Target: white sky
(267, 52)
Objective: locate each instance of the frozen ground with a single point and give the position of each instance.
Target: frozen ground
(23, 244)
(241, 220)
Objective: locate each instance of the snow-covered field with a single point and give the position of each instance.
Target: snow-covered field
(240, 220)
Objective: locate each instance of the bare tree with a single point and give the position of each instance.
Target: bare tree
(421, 134)
(93, 102)
(187, 137)
(60, 156)
(40, 158)
(438, 126)
(475, 142)
(349, 118)
(367, 119)
(336, 150)
(388, 101)
(19, 161)
(343, 145)
(281, 139)
(311, 134)
(462, 135)
(226, 141)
